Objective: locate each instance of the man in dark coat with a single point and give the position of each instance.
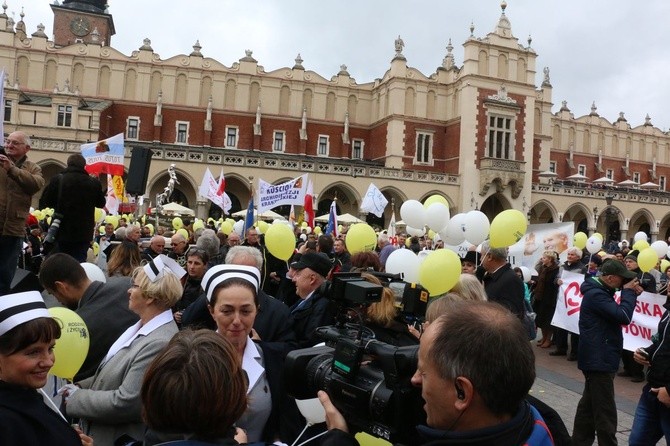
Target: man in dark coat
(600, 346)
(79, 194)
(102, 306)
(501, 283)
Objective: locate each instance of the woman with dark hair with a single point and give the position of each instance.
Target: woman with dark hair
(27, 338)
(108, 403)
(124, 259)
(365, 260)
(195, 389)
(545, 295)
(232, 295)
(197, 260)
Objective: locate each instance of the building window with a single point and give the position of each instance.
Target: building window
(609, 174)
(424, 148)
(636, 177)
(182, 132)
(357, 149)
(552, 166)
(278, 145)
(661, 182)
(581, 169)
(322, 149)
(231, 137)
(132, 127)
(8, 110)
(65, 116)
(500, 137)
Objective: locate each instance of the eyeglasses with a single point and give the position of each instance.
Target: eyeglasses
(195, 251)
(11, 142)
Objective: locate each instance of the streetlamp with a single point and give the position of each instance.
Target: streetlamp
(611, 214)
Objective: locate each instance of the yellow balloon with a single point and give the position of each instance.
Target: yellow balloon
(183, 232)
(99, 214)
(101, 229)
(72, 346)
(177, 223)
(198, 224)
(579, 240)
(664, 265)
(113, 219)
(599, 235)
(96, 248)
(507, 228)
(647, 259)
(360, 237)
(431, 234)
(641, 245)
(280, 241)
(152, 230)
(226, 227)
(262, 226)
(440, 271)
(435, 199)
(318, 230)
(365, 439)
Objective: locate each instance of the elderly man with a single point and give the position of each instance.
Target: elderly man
(469, 398)
(313, 309)
(232, 240)
(133, 234)
(500, 281)
(102, 306)
(179, 247)
(155, 248)
(20, 179)
(385, 248)
(600, 345)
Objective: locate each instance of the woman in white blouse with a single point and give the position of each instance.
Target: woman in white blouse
(108, 403)
(233, 303)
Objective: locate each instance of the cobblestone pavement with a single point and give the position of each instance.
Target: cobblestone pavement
(559, 383)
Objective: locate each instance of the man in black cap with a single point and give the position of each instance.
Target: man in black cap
(313, 309)
(600, 346)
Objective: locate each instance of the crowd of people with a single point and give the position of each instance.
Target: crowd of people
(189, 334)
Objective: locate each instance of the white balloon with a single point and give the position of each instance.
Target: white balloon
(406, 262)
(454, 233)
(422, 256)
(477, 227)
(660, 247)
(239, 227)
(414, 231)
(526, 273)
(413, 213)
(640, 236)
(437, 216)
(594, 244)
(312, 410)
(93, 272)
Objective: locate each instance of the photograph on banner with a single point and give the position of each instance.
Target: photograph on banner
(648, 312)
(542, 237)
(273, 195)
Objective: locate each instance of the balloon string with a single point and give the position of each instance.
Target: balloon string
(313, 438)
(52, 404)
(303, 431)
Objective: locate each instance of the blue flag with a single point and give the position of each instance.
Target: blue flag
(332, 219)
(249, 219)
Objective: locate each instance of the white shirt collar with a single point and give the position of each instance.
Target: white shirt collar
(251, 363)
(135, 331)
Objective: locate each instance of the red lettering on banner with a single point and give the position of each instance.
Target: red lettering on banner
(658, 312)
(573, 298)
(637, 330)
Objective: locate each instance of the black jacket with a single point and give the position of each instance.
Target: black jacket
(80, 196)
(316, 312)
(25, 420)
(600, 321)
(506, 288)
(659, 351)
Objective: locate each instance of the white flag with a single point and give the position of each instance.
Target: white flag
(209, 188)
(374, 201)
(273, 195)
(391, 230)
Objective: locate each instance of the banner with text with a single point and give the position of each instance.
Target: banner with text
(104, 156)
(648, 312)
(273, 195)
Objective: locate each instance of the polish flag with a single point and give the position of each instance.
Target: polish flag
(309, 205)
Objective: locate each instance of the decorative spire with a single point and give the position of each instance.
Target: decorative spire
(472, 29)
(343, 71)
(399, 45)
(621, 118)
(298, 63)
(504, 28)
(196, 49)
(564, 106)
(146, 45)
(4, 9)
(530, 40)
(594, 109)
(647, 120)
(546, 82)
(448, 61)
(40, 31)
(248, 57)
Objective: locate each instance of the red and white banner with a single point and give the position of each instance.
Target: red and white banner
(648, 312)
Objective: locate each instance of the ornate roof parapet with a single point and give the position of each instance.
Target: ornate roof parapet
(196, 49)
(504, 27)
(298, 63)
(448, 61)
(40, 32)
(248, 57)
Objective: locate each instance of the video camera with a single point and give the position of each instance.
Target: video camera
(367, 380)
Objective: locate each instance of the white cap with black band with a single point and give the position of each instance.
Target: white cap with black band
(16, 309)
(217, 274)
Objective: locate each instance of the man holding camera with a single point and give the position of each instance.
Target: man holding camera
(600, 346)
(469, 397)
(20, 179)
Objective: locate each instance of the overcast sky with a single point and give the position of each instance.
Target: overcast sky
(613, 52)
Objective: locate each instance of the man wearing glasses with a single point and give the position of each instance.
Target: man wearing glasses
(179, 248)
(20, 179)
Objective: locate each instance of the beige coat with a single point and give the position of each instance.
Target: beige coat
(17, 187)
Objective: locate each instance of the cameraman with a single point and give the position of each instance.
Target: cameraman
(470, 398)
